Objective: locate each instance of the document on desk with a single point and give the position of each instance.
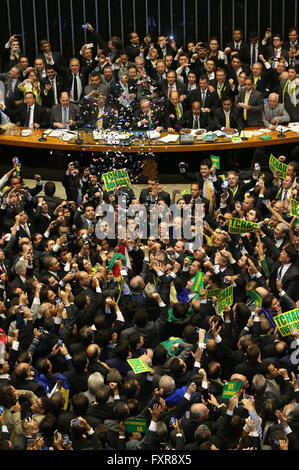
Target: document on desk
(153, 134)
(56, 133)
(169, 138)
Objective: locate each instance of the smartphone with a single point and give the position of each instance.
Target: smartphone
(257, 166)
(58, 301)
(22, 308)
(225, 184)
(84, 26)
(75, 422)
(172, 420)
(1, 410)
(41, 329)
(60, 343)
(56, 433)
(225, 279)
(65, 439)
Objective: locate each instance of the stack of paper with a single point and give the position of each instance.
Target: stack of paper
(169, 138)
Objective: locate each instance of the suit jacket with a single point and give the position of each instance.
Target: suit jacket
(180, 87)
(212, 100)
(56, 115)
(235, 122)
(254, 115)
(170, 116)
(9, 103)
(144, 196)
(292, 110)
(186, 121)
(89, 113)
(246, 49)
(68, 76)
(102, 88)
(290, 282)
(35, 387)
(224, 91)
(280, 114)
(20, 115)
(231, 73)
(48, 98)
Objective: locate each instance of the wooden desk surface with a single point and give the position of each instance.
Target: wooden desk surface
(144, 146)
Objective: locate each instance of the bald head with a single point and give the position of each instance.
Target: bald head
(93, 351)
(199, 411)
(22, 370)
(273, 100)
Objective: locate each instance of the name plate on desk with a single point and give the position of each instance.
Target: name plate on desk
(186, 139)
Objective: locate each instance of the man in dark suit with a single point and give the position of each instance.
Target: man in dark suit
(261, 76)
(288, 272)
(153, 192)
(24, 381)
(293, 39)
(95, 113)
(288, 94)
(221, 84)
(276, 50)
(74, 79)
(95, 83)
(253, 49)
(237, 44)
(133, 49)
(66, 114)
(29, 114)
(208, 99)
(235, 68)
(173, 111)
(164, 47)
(11, 81)
(147, 117)
(172, 84)
(195, 119)
(51, 87)
(251, 105)
(50, 56)
(227, 118)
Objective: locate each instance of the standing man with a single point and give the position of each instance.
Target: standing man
(289, 94)
(250, 103)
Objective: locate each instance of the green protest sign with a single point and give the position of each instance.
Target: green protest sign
(135, 425)
(222, 177)
(198, 282)
(116, 179)
(186, 191)
(294, 208)
(256, 297)
(212, 293)
(285, 322)
(231, 388)
(225, 297)
(240, 225)
(277, 167)
(139, 366)
(216, 161)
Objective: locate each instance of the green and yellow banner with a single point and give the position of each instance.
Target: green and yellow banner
(198, 282)
(225, 297)
(139, 366)
(231, 388)
(285, 322)
(278, 167)
(294, 208)
(135, 425)
(116, 179)
(216, 161)
(256, 297)
(241, 225)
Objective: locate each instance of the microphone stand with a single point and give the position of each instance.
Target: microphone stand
(281, 135)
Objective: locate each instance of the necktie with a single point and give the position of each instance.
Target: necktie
(246, 102)
(285, 195)
(192, 207)
(272, 113)
(208, 189)
(75, 94)
(100, 120)
(64, 116)
(253, 55)
(178, 111)
(196, 125)
(237, 47)
(27, 230)
(203, 98)
(189, 89)
(10, 90)
(4, 271)
(170, 90)
(28, 117)
(227, 120)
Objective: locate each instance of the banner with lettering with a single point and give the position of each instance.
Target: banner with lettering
(116, 179)
(278, 167)
(225, 297)
(241, 225)
(285, 322)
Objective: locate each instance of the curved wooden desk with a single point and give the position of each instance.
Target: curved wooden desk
(144, 146)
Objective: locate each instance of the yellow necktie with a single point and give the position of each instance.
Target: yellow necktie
(246, 102)
(100, 120)
(208, 189)
(226, 120)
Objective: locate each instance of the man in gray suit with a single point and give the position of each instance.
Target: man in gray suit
(274, 113)
(65, 115)
(251, 105)
(96, 84)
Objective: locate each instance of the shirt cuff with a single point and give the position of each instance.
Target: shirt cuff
(282, 293)
(15, 345)
(153, 426)
(172, 274)
(90, 432)
(218, 339)
(98, 290)
(229, 412)
(162, 304)
(256, 319)
(67, 357)
(187, 396)
(288, 430)
(197, 364)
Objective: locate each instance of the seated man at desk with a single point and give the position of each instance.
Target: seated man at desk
(274, 113)
(29, 113)
(147, 117)
(227, 117)
(65, 114)
(195, 119)
(94, 113)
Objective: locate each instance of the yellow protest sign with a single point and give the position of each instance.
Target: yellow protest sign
(240, 225)
(225, 297)
(285, 322)
(139, 366)
(115, 179)
(278, 167)
(294, 208)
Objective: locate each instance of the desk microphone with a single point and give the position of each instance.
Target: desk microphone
(244, 138)
(281, 135)
(43, 137)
